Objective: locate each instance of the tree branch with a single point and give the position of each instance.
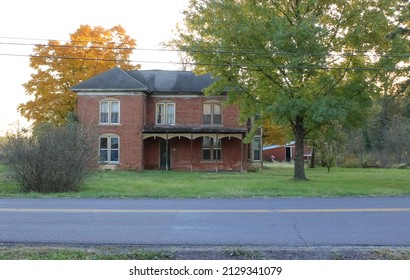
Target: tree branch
(277, 6)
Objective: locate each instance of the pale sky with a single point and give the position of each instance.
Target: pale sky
(149, 22)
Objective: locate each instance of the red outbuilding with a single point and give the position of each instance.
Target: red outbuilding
(284, 152)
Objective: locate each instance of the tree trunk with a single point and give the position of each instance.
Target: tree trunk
(299, 132)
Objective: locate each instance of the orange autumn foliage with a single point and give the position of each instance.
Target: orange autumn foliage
(275, 134)
(58, 66)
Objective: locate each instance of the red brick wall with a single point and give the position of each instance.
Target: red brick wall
(189, 110)
(151, 153)
(181, 153)
(129, 130)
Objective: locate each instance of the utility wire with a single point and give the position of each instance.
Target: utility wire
(244, 51)
(258, 66)
(355, 53)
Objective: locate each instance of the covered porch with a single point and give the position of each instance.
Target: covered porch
(195, 148)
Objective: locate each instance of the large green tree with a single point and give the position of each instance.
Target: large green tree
(306, 63)
(58, 66)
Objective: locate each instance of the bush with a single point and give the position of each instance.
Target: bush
(53, 159)
(351, 161)
(402, 166)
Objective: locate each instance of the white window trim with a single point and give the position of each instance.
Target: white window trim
(253, 149)
(165, 113)
(110, 101)
(212, 103)
(109, 137)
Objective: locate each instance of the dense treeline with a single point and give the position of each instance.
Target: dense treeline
(383, 141)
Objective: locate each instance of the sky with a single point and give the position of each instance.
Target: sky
(149, 22)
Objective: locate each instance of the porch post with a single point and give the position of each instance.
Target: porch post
(166, 152)
(192, 136)
(216, 161)
(241, 153)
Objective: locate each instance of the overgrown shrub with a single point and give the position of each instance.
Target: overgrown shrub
(52, 159)
(351, 161)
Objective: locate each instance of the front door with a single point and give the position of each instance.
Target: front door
(165, 155)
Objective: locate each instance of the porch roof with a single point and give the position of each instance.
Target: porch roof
(193, 132)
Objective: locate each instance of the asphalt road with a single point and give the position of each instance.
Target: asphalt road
(280, 222)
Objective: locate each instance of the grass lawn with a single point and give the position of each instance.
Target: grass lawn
(275, 180)
(110, 252)
(27, 252)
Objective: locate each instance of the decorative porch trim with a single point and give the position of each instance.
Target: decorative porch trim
(192, 136)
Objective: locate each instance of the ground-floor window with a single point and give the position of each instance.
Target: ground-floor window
(109, 149)
(256, 148)
(211, 149)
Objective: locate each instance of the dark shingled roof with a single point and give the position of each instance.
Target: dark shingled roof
(114, 79)
(153, 81)
(172, 81)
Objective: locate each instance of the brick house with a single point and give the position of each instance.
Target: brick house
(161, 119)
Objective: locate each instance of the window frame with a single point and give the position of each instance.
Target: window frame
(109, 149)
(212, 119)
(257, 149)
(214, 148)
(165, 115)
(108, 120)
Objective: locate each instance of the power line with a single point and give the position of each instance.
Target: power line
(77, 58)
(58, 40)
(198, 49)
(65, 46)
(88, 47)
(244, 51)
(243, 65)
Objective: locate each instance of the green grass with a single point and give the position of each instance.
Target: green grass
(112, 252)
(275, 180)
(20, 252)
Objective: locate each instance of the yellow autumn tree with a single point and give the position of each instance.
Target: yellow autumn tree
(275, 134)
(58, 66)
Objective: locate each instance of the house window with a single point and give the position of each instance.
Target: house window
(256, 148)
(109, 149)
(212, 113)
(110, 112)
(211, 149)
(165, 113)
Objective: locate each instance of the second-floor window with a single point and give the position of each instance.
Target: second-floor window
(212, 113)
(110, 112)
(165, 113)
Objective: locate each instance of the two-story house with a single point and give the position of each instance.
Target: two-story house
(161, 119)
